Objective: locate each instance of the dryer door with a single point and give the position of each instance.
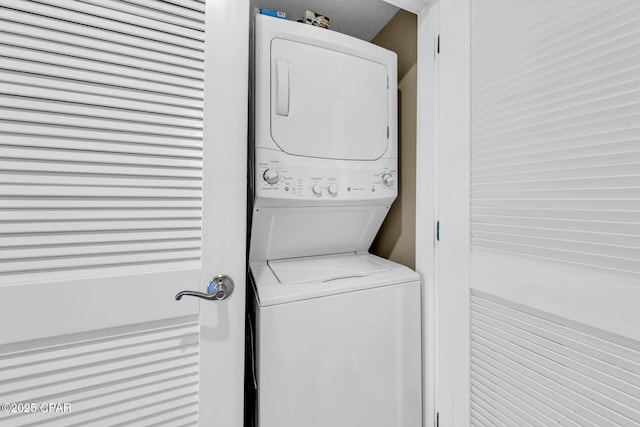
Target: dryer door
(326, 103)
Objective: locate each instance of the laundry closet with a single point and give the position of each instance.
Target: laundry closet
(328, 321)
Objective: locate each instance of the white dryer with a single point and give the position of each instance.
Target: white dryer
(336, 330)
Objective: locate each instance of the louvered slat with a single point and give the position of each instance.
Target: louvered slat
(189, 41)
(576, 36)
(159, 13)
(146, 99)
(97, 238)
(155, 56)
(100, 137)
(186, 9)
(573, 374)
(41, 141)
(51, 58)
(94, 168)
(150, 371)
(13, 87)
(102, 181)
(555, 128)
(79, 24)
(100, 112)
(150, 160)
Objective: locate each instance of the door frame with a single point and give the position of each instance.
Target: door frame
(227, 29)
(443, 132)
(222, 323)
(426, 174)
(427, 135)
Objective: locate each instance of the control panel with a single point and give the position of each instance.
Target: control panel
(322, 179)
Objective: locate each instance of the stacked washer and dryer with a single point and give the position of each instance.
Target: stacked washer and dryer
(336, 338)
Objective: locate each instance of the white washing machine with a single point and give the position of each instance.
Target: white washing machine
(336, 333)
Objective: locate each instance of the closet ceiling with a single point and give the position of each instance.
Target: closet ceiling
(358, 18)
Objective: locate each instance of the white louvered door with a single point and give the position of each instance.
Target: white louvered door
(548, 242)
(103, 206)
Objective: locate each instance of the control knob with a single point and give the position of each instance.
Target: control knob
(317, 189)
(387, 179)
(333, 189)
(271, 176)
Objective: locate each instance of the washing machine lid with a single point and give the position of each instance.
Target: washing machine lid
(324, 268)
(378, 272)
(328, 103)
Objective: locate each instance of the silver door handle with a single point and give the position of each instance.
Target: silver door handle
(282, 87)
(218, 289)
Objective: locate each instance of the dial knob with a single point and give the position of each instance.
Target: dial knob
(387, 179)
(333, 189)
(271, 176)
(317, 189)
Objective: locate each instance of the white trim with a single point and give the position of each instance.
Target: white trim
(224, 211)
(414, 6)
(443, 132)
(452, 154)
(425, 202)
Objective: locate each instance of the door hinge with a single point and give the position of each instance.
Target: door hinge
(437, 419)
(438, 44)
(438, 231)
